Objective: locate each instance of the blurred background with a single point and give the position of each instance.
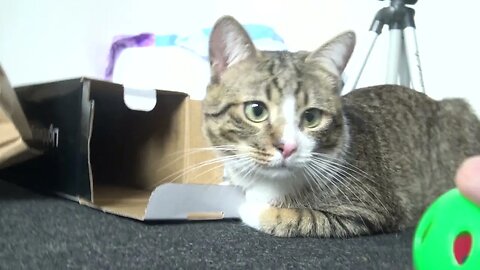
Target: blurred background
(44, 40)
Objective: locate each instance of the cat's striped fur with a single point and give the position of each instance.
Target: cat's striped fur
(373, 161)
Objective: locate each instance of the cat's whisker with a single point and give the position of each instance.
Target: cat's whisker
(342, 168)
(177, 175)
(251, 169)
(221, 177)
(344, 164)
(217, 147)
(193, 151)
(357, 182)
(339, 177)
(333, 177)
(321, 170)
(201, 149)
(338, 172)
(368, 191)
(297, 192)
(310, 179)
(209, 170)
(245, 167)
(342, 161)
(322, 179)
(309, 167)
(211, 162)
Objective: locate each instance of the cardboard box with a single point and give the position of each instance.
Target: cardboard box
(141, 164)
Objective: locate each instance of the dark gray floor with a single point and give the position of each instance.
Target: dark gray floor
(42, 232)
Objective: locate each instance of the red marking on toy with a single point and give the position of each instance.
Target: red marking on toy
(462, 247)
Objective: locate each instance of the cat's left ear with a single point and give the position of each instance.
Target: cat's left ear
(334, 54)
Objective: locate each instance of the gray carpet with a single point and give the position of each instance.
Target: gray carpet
(45, 232)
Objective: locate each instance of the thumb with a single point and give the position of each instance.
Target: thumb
(468, 178)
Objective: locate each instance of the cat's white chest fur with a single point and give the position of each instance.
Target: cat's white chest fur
(265, 193)
(266, 188)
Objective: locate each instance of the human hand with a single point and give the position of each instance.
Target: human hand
(468, 178)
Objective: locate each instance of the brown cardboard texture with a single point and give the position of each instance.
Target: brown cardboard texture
(142, 164)
(14, 129)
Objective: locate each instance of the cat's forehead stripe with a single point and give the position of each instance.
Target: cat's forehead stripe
(268, 91)
(300, 93)
(299, 85)
(273, 70)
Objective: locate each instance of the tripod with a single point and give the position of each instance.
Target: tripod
(403, 66)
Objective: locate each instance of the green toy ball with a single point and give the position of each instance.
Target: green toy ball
(448, 235)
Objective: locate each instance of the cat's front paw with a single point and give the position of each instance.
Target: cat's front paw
(269, 219)
(251, 213)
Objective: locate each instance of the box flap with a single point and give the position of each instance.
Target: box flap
(123, 201)
(13, 109)
(170, 202)
(14, 129)
(190, 201)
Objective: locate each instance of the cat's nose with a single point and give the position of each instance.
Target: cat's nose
(287, 149)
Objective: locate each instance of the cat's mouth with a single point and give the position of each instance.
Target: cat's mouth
(282, 165)
(272, 162)
(274, 172)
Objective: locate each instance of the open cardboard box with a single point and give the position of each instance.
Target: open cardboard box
(141, 164)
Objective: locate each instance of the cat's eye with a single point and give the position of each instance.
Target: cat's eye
(256, 111)
(312, 118)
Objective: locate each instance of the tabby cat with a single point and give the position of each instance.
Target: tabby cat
(315, 163)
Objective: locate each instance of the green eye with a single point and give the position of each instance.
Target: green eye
(256, 111)
(312, 118)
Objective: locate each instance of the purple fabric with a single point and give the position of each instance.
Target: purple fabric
(123, 42)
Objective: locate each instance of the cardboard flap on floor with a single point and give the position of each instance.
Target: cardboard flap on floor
(109, 153)
(14, 128)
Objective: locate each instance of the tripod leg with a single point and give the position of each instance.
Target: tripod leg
(413, 58)
(403, 72)
(394, 53)
(359, 64)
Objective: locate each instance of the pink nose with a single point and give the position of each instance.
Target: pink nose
(287, 149)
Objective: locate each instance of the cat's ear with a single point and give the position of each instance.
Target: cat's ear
(334, 54)
(229, 44)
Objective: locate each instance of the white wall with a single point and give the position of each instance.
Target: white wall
(43, 40)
